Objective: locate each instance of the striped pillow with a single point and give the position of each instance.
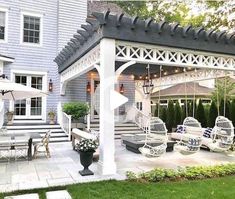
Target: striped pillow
(207, 132)
(193, 144)
(180, 129)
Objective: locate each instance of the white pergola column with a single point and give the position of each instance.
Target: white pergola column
(107, 165)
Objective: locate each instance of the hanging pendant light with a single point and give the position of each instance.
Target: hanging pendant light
(148, 83)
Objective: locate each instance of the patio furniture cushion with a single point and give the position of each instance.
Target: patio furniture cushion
(207, 132)
(193, 144)
(194, 130)
(84, 134)
(180, 129)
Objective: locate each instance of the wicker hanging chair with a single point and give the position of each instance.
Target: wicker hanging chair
(156, 139)
(190, 139)
(222, 135)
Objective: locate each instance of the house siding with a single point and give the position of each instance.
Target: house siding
(60, 20)
(70, 21)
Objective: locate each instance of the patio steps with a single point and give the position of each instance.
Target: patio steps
(57, 134)
(120, 128)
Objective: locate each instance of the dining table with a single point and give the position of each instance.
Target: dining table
(13, 139)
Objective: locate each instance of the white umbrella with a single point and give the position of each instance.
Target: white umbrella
(13, 91)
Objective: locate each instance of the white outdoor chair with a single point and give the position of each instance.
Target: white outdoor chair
(21, 146)
(189, 140)
(43, 146)
(222, 135)
(157, 133)
(5, 148)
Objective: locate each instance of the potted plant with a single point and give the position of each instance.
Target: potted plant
(78, 110)
(51, 115)
(86, 148)
(10, 115)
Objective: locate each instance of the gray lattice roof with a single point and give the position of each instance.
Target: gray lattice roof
(120, 27)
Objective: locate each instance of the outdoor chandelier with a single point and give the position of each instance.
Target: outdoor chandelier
(148, 83)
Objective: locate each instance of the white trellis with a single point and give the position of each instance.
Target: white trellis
(153, 54)
(189, 76)
(83, 65)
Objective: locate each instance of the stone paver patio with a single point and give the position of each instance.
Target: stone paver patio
(62, 168)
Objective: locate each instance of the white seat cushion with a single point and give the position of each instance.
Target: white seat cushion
(84, 134)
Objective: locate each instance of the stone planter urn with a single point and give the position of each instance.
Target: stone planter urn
(86, 158)
(51, 116)
(10, 115)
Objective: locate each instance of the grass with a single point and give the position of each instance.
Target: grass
(217, 188)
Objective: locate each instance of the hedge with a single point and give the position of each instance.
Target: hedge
(187, 173)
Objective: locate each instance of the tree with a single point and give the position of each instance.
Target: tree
(180, 11)
(212, 114)
(220, 15)
(163, 114)
(170, 120)
(223, 88)
(232, 111)
(156, 110)
(178, 114)
(200, 114)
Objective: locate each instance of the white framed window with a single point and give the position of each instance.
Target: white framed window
(31, 29)
(3, 24)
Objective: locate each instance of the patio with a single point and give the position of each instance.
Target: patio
(63, 166)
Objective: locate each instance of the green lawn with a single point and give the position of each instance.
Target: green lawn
(221, 188)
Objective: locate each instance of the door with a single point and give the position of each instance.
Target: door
(94, 85)
(30, 108)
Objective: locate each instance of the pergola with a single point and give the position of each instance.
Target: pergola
(115, 44)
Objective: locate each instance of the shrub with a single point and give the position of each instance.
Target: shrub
(232, 111)
(170, 120)
(178, 114)
(156, 110)
(76, 109)
(200, 114)
(188, 173)
(163, 114)
(212, 114)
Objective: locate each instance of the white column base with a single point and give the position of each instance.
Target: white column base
(109, 168)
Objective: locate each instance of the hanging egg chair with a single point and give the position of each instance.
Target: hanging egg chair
(156, 139)
(222, 135)
(190, 139)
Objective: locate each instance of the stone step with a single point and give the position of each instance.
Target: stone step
(62, 194)
(20, 121)
(61, 134)
(118, 125)
(53, 139)
(30, 126)
(120, 128)
(33, 131)
(25, 196)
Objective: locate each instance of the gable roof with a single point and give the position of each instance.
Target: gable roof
(179, 90)
(133, 29)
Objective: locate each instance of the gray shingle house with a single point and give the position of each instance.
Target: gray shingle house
(31, 35)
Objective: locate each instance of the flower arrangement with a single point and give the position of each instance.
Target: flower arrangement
(85, 145)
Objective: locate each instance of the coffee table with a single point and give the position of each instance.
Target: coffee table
(133, 143)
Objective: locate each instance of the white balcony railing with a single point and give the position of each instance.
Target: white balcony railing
(66, 124)
(142, 120)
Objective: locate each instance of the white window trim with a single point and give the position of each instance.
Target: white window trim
(44, 87)
(22, 27)
(5, 40)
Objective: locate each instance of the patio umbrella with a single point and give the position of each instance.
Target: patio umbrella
(13, 91)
